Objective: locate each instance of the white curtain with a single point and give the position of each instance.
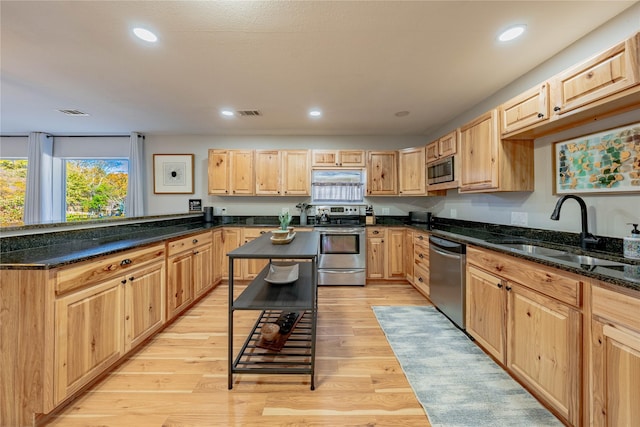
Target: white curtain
(38, 203)
(135, 189)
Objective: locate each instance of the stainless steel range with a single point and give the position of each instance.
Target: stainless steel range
(342, 253)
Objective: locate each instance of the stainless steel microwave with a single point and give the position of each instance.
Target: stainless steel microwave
(441, 171)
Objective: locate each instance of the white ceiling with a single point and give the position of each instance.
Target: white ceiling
(359, 61)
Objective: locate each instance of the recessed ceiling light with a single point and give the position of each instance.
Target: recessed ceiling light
(512, 33)
(227, 113)
(146, 35)
(315, 113)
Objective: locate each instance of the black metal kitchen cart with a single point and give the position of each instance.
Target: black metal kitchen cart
(273, 300)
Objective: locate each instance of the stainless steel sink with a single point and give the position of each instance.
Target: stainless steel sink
(533, 249)
(587, 260)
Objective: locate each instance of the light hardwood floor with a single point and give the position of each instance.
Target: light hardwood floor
(179, 378)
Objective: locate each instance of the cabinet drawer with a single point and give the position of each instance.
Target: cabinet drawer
(375, 232)
(558, 284)
(617, 307)
(421, 256)
(185, 243)
(97, 270)
(421, 278)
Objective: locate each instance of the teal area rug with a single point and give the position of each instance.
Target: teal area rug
(454, 380)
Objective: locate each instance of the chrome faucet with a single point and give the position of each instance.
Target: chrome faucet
(587, 240)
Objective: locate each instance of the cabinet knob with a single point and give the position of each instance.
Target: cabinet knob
(540, 115)
(556, 108)
(420, 237)
(131, 279)
(421, 256)
(420, 279)
(508, 288)
(195, 252)
(499, 285)
(123, 281)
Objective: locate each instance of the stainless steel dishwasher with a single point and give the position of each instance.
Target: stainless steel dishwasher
(447, 278)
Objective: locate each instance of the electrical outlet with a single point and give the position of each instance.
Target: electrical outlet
(454, 213)
(385, 211)
(223, 211)
(519, 218)
(285, 210)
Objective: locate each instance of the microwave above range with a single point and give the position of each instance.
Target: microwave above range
(441, 171)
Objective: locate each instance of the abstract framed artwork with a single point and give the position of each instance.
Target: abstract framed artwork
(173, 174)
(605, 162)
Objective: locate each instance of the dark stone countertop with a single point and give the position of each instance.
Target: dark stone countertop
(46, 252)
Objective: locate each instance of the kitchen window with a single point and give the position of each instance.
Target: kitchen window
(337, 186)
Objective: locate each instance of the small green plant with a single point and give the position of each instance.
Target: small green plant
(285, 219)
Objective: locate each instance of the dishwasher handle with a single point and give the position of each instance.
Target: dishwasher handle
(447, 245)
(445, 254)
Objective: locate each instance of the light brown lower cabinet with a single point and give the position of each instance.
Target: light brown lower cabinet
(189, 270)
(518, 312)
(615, 357)
(420, 260)
(98, 323)
(385, 253)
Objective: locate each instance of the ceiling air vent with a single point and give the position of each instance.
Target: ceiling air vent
(249, 113)
(73, 112)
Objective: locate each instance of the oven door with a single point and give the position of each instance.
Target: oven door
(342, 249)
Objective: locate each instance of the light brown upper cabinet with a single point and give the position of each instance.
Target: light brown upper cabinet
(601, 76)
(230, 172)
(412, 172)
(604, 85)
(442, 147)
(526, 109)
(382, 173)
(282, 173)
(337, 158)
(489, 163)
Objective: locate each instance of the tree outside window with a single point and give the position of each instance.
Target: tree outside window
(95, 188)
(13, 184)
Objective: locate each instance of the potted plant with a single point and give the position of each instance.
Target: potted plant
(283, 232)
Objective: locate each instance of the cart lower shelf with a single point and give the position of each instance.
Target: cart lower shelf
(291, 353)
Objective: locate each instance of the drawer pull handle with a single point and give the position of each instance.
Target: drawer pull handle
(556, 108)
(508, 288)
(123, 281)
(420, 237)
(376, 232)
(540, 115)
(126, 261)
(195, 241)
(132, 278)
(499, 285)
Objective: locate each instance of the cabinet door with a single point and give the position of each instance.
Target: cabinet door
(218, 172)
(382, 172)
(431, 152)
(412, 175)
(616, 375)
(485, 311)
(88, 335)
(604, 75)
(268, 172)
(202, 269)
(395, 256)
(253, 266)
(241, 173)
(231, 239)
(479, 145)
(324, 158)
(448, 144)
(144, 303)
(544, 343)
(296, 179)
(180, 283)
(408, 251)
(375, 253)
(219, 264)
(351, 158)
(526, 109)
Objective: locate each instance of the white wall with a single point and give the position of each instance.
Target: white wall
(160, 204)
(608, 214)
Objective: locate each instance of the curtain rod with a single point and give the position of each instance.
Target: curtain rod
(74, 136)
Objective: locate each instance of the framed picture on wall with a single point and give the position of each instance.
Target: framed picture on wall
(173, 174)
(605, 162)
